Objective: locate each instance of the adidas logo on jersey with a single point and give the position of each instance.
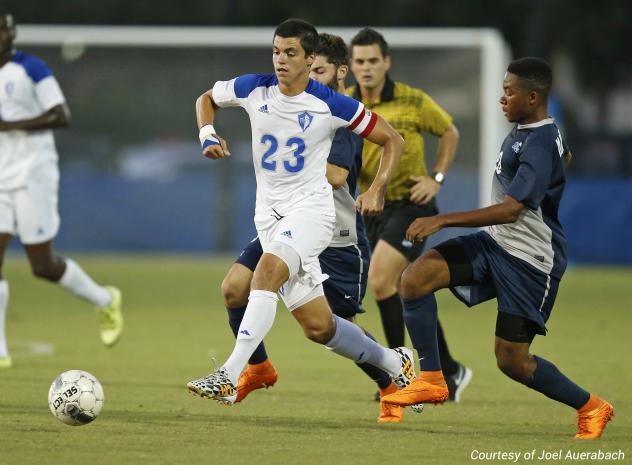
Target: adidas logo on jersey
(287, 233)
(264, 108)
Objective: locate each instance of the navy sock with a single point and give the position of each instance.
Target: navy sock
(392, 320)
(448, 364)
(420, 315)
(235, 315)
(548, 380)
(378, 375)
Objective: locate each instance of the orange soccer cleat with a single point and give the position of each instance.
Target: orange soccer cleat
(593, 417)
(389, 413)
(261, 375)
(429, 388)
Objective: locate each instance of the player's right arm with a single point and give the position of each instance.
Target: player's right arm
(213, 146)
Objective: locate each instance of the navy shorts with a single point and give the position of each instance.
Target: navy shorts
(347, 268)
(521, 289)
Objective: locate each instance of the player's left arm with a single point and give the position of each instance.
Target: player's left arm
(506, 212)
(527, 190)
(371, 202)
(56, 117)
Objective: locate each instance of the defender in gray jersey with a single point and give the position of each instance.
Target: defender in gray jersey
(519, 259)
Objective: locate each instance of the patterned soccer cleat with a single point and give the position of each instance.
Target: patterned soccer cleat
(111, 318)
(216, 386)
(593, 418)
(406, 374)
(259, 376)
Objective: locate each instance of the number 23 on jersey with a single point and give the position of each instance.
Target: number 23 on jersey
(297, 146)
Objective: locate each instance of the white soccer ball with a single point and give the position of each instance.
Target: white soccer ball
(75, 397)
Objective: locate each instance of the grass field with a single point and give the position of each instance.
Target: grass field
(320, 411)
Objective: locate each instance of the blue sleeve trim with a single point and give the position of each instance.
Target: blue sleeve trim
(35, 68)
(340, 105)
(245, 84)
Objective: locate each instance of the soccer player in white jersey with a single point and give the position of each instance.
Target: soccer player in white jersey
(31, 105)
(293, 123)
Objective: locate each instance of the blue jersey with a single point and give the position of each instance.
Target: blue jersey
(530, 169)
(346, 152)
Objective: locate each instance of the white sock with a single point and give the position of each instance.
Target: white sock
(80, 284)
(351, 342)
(257, 321)
(4, 300)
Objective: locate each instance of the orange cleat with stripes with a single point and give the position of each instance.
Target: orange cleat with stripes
(389, 413)
(593, 417)
(429, 388)
(261, 375)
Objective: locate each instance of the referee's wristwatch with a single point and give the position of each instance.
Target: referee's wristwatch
(438, 176)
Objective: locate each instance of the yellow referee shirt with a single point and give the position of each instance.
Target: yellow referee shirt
(410, 111)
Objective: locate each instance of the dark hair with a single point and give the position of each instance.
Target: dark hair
(305, 31)
(534, 72)
(368, 36)
(333, 48)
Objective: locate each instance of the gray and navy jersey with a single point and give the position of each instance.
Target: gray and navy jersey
(346, 152)
(530, 168)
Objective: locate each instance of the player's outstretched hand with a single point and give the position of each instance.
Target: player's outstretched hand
(423, 227)
(213, 146)
(370, 203)
(424, 189)
(217, 150)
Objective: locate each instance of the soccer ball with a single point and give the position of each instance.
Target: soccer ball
(75, 397)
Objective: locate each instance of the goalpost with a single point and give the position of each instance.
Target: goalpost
(493, 56)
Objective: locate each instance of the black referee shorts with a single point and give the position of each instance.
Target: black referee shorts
(392, 223)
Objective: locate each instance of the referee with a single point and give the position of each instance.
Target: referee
(412, 190)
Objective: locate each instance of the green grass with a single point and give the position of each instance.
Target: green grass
(320, 410)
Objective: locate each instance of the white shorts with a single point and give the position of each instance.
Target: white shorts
(31, 211)
(308, 233)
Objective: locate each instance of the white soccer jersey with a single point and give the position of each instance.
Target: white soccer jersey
(291, 138)
(27, 89)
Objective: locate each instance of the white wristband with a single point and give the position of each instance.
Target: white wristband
(206, 132)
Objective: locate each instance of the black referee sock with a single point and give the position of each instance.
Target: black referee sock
(448, 364)
(235, 315)
(392, 313)
(378, 375)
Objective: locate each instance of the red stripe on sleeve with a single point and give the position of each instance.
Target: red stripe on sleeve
(358, 120)
(369, 126)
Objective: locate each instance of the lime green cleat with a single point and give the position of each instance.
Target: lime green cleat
(111, 318)
(5, 362)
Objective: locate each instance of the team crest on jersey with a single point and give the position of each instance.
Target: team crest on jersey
(304, 120)
(516, 147)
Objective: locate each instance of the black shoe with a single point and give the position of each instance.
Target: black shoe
(457, 382)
